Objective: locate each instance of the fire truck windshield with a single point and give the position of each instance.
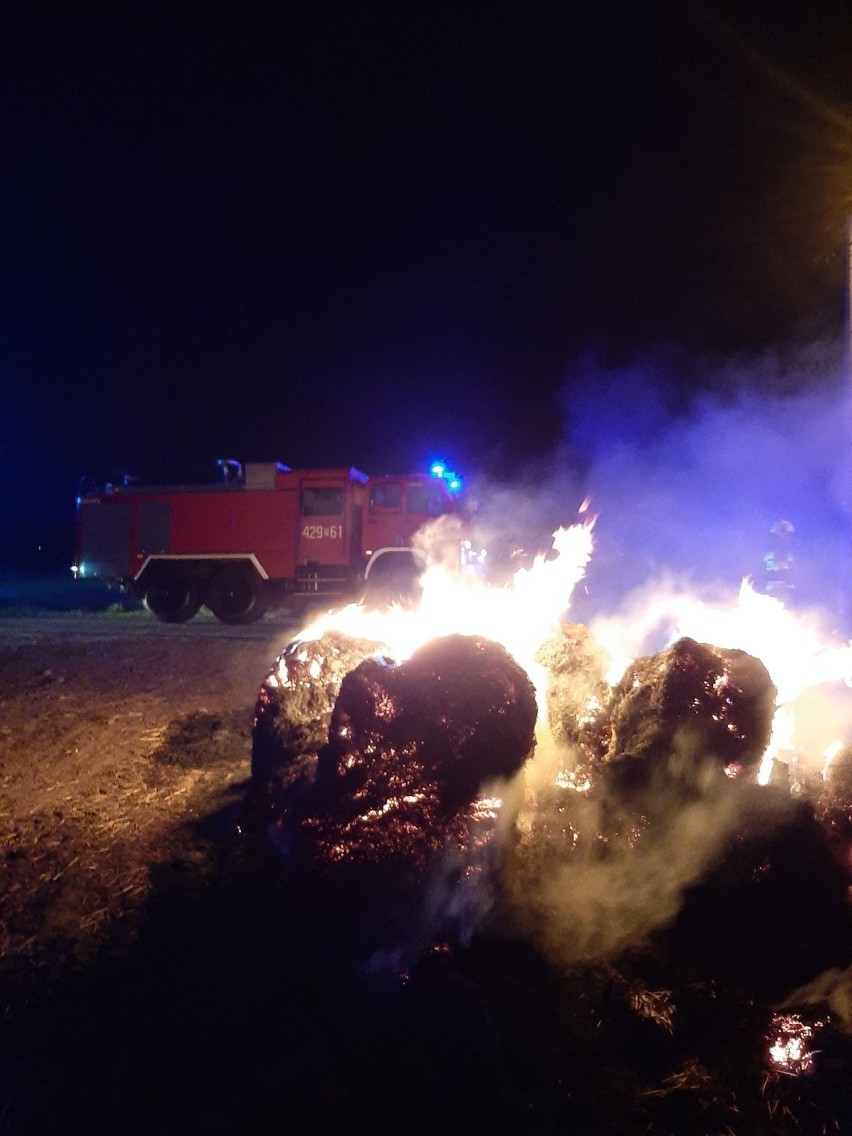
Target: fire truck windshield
(386, 495)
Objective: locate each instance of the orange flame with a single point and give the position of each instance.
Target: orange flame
(525, 613)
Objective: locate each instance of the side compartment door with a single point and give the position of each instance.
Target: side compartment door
(105, 535)
(153, 528)
(322, 521)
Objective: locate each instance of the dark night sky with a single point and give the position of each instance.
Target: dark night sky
(365, 233)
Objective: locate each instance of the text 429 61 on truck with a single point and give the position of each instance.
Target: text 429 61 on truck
(266, 534)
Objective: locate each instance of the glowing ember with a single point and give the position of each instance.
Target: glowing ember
(831, 752)
(569, 779)
(790, 1049)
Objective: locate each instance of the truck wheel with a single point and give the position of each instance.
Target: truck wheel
(236, 594)
(393, 579)
(172, 597)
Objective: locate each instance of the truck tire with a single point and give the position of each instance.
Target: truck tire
(236, 594)
(171, 596)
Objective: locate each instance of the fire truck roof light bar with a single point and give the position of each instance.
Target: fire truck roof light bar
(453, 481)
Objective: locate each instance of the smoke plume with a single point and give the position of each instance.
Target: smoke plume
(689, 466)
(588, 895)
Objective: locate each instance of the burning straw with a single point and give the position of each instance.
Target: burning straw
(629, 829)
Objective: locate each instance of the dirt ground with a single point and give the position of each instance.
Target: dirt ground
(109, 751)
(123, 761)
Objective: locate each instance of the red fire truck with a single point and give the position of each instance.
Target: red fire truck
(265, 534)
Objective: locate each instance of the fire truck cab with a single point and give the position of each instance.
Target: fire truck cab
(265, 534)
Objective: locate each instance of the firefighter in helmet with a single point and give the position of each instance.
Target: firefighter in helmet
(778, 562)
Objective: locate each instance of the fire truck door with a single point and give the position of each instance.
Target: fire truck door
(322, 523)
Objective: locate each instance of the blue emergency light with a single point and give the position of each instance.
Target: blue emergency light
(453, 481)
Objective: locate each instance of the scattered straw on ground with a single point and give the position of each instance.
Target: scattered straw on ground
(109, 754)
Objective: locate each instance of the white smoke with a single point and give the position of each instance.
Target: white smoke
(690, 486)
(521, 516)
(588, 900)
(832, 988)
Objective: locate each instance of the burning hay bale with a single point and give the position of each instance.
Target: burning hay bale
(412, 746)
(576, 691)
(379, 802)
(294, 707)
(834, 806)
(601, 866)
(724, 698)
(653, 843)
(648, 807)
(722, 878)
(772, 910)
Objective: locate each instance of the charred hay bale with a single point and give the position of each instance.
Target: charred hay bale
(834, 805)
(772, 911)
(837, 780)
(724, 699)
(715, 879)
(411, 746)
(296, 699)
(577, 691)
(393, 845)
(601, 863)
(630, 803)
